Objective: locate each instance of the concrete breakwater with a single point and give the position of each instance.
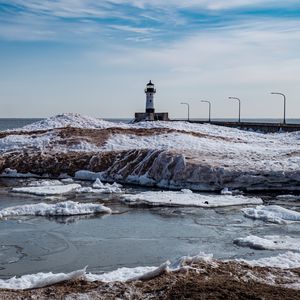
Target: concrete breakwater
(255, 126)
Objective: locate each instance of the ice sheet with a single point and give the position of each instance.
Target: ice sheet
(269, 242)
(44, 190)
(272, 213)
(66, 208)
(188, 198)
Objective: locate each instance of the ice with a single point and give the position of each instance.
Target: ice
(45, 190)
(38, 183)
(39, 280)
(287, 260)
(272, 213)
(188, 198)
(226, 191)
(121, 274)
(66, 208)
(269, 242)
(15, 174)
(288, 197)
(88, 175)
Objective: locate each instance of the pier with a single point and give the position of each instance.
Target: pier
(255, 126)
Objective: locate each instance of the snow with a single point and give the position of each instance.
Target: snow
(287, 260)
(44, 190)
(196, 156)
(269, 242)
(67, 208)
(67, 120)
(187, 198)
(39, 280)
(272, 213)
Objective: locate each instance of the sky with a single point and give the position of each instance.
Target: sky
(95, 57)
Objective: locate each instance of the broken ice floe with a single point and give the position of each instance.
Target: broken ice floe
(188, 198)
(47, 189)
(272, 213)
(67, 208)
(269, 242)
(56, 187)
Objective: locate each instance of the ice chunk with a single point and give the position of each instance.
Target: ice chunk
(45, 190)
(15, 174)
(269, 242)
(45, 183)
(288, 197)
(67, 208)
(184, 198)
(226, 191)
(88, 175)
(272, 213)
(39, 280)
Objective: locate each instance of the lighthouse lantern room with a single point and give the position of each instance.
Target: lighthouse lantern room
(150, 91)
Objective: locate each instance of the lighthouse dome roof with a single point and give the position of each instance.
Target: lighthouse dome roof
(150, 83)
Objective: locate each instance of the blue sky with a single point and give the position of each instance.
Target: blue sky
(95, 57)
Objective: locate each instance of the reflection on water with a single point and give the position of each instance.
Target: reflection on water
(136, 237)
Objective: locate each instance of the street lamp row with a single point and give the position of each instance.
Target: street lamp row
(239, 101)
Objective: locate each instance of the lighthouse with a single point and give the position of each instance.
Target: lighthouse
(150, 91)
(150, 114)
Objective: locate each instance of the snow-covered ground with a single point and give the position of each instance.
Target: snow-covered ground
(67, 208)
(188, 198)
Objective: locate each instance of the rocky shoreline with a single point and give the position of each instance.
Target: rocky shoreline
(200, 280)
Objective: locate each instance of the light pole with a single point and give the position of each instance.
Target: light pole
(284, 104)
(188, 109)
(209, 108)
(239, 100)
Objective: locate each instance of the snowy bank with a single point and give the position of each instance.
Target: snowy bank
(269, 242)
(272, 213)
(67, 208)
(173, 155)
(188, 198)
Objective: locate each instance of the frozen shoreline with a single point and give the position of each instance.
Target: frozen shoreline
(175, 155)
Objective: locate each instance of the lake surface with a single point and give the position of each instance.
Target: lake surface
(135, 237)
(11, 123)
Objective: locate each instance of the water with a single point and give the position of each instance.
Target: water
(136, 237)
(11, 123)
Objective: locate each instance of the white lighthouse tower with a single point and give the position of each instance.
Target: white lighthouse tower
(150, 91)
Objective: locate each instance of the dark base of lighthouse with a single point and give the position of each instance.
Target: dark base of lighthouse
(151, 116)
